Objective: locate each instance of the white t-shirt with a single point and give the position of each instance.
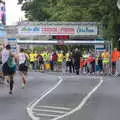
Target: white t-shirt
(5, 55)
(22, 58)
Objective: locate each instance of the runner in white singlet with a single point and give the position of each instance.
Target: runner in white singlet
(22, 57)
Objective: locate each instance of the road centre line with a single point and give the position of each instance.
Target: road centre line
(85, 99)
(54, 107)
(51, 111)
(29, 110)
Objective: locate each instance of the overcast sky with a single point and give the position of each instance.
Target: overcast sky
(13, 12)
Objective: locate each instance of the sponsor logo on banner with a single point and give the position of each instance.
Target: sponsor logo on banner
(85, 30)
(52, 29)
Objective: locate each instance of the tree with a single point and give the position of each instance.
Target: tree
(104, 11)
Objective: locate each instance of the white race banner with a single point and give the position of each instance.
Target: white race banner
(58, 29)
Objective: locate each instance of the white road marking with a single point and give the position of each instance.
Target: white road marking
(30, 104)
(51, 111)
(29, 109)
(45, 115)
(79, 107)
(54, 107)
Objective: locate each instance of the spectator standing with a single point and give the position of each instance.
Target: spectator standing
(77, 56)
(63, 65)
(32, 60)
(118, 67)
(53, 61)
(106, 62)
(59, 60)
(35, 60)
(40, 62)
(115, 56)
(100, 63)
(71, 63)
(67, 60)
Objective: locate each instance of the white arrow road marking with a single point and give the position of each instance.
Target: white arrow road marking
(79, 107)
(51, 111)
(45, 115)
(53, 107)
(29, 109)
(34, 110)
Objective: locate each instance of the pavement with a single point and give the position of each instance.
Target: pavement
(52, 96)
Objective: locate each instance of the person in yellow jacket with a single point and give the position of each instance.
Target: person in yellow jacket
(106, 61)
(31, 56)
(35, 60)
(60, 60)
(43, 54)
(67, 55)
(47, 60)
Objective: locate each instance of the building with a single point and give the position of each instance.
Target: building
(2, 12)
(2, 21)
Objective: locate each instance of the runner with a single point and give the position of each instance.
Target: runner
(23, 68)
(9, 66)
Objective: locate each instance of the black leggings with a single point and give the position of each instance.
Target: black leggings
(11, 83)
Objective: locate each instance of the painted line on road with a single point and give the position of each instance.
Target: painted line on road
(45, 115)
(30, 104)
(85, 99)
(51, 111)
(29, 109)
(54, 107)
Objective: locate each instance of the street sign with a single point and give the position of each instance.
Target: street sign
(11, 39)
(99, 39)
(13, 43)
(99, 47)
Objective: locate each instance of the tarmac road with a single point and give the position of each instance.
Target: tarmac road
(13, 107)
(68, 97)
(65, 98)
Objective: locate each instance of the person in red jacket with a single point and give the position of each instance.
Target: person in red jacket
(81, 64)
(91, 60)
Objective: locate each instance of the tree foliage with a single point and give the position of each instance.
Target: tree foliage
(104, 11)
